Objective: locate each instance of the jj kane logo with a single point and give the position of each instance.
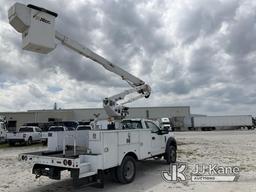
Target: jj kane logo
(201, 173)
(176, 172)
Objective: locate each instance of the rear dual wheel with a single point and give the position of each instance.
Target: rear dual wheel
(125, 173)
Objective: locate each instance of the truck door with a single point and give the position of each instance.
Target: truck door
(38, 134)
(156, 140)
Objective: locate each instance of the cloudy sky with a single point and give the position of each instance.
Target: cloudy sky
(198, 53)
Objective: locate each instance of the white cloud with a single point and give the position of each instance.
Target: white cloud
(198, 53)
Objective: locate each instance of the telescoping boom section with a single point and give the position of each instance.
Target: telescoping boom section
(37, 26)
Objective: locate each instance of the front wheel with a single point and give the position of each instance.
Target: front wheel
(127, 170)
(171, 154)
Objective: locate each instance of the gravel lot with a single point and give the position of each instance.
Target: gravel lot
(233, 148)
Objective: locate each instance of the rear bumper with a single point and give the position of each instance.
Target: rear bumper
(47, 160)
(16, 140)
(51, 166)
(55, 173)
(52, 172)
(51, 163)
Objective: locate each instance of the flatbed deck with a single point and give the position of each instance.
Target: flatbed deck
(59, 154)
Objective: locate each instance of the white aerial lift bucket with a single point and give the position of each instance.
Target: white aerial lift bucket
(37, 26)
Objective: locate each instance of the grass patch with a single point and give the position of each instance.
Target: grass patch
(4, 145)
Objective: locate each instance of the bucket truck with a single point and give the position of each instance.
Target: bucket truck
(92, 152)
(37, 26)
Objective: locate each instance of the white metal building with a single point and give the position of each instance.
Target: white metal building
(16, 119)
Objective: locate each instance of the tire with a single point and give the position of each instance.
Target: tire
(127, 170)
(11, 143)
(44, 143)
(171, 154)
(29, 142)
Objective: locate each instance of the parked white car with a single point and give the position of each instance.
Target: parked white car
(26, 135)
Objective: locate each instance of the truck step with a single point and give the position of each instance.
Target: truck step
(85, 168)
(87, 174)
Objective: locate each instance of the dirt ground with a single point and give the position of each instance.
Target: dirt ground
(232, 148)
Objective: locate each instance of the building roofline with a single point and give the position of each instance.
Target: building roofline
(91, 108)
(13, 112)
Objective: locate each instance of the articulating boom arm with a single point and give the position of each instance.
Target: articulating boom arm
(113, 109)
(37, 26)
(77, 47)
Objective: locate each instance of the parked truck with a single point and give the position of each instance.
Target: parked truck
(96, 152)
(3, 129)
(208, 123)
(165, 123)
(26, 135)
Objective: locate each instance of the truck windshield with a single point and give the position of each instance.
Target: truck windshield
(55, 129)
(85, 127)
(26, 129)
(73, 124)
(31, 124)
(128, 124)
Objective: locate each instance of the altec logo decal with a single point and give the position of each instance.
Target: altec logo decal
(42, 19)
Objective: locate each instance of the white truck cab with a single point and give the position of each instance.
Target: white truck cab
(95, 152)
(165, 123)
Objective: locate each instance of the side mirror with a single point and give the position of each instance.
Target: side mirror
(157, 132)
